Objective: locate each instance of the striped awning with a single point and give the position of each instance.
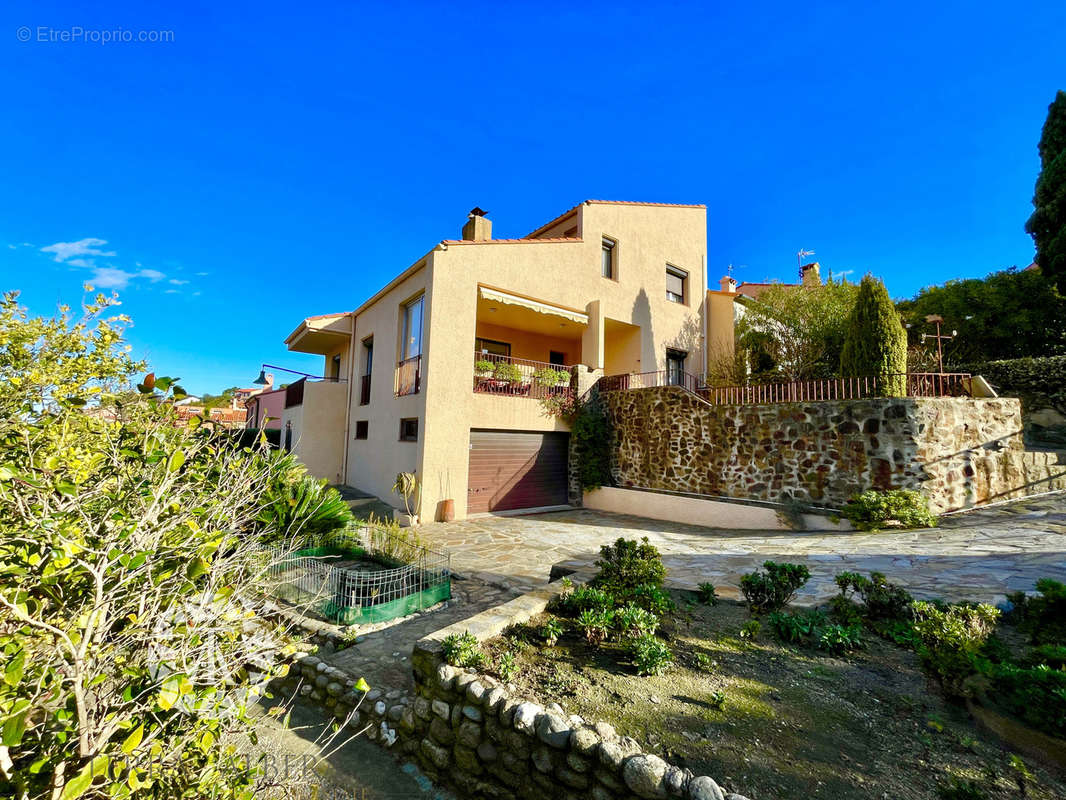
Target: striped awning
(497, 296)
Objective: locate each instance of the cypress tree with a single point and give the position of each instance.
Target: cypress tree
(1047, 225)
(875, 343)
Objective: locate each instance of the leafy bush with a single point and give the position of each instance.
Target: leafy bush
(796, 627)
(627, 564)
(870, 510)
(1043, 617)
(595, 624)
(751, 629)
(506, 371)
(838, 639)
(959, 789)
(950, 638)
(590, 435)
(551, 377)
(1051, 655)
(635, 621)
(881, 600)
(551, 631)
(773, 589)
(295, 505)
(708, 594)
(650, 656)
(506, 666)
(585, 598)
(462, 650)
(652, 598)
(1035, 694)
(483, 366)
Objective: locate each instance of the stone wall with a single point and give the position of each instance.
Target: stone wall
(961, 451)
(469, 731)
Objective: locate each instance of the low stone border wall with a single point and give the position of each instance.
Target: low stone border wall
(468, 730)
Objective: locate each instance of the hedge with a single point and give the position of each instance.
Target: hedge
(1039, 382)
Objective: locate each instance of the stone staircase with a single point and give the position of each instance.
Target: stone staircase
(364, 505)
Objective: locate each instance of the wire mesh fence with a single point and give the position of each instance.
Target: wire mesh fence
(361, 575)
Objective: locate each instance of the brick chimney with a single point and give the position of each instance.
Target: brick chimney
(478, 227)
(812, 275)
(728, 284)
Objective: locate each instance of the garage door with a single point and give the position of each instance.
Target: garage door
(510, 470)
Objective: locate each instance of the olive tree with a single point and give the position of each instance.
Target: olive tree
(133, 628)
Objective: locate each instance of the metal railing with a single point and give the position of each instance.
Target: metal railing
(409, 376)
(364, 390)
(912, 384)
(353, 575)
(294, 392)
(519, 377)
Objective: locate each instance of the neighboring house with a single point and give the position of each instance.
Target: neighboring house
(227, 417)
(605, 288)
(263, 410)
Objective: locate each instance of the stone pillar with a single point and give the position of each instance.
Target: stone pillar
(592, 338)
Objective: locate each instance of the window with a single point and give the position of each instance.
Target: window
(492, 347)
(335, 368)
(607, 257)
(556, 359)
(368, 364)
(411, 345)
(409, 429)
(675, 367)
(288, 437)
(675, 284)
(362, 428)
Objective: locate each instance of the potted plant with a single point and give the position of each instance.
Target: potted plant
(551, 379)
(406, 486)
(509, 374)
(482, 370)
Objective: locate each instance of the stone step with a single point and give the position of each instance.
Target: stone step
(1044, 458)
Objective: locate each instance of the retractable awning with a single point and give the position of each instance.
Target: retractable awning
(497, 296)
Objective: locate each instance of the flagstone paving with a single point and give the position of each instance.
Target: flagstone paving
(979, 555)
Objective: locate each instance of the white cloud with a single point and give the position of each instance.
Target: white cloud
(202, 274)
(11, 247)
(110, 278)
(172, 291)
(82, 262)
(151, 274)
(63, 251)
(177, 282)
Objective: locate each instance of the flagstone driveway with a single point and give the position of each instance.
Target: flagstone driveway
(980, 555)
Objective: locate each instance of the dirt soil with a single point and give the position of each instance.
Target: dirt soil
(792, 722)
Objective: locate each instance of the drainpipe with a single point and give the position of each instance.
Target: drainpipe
(348, 404)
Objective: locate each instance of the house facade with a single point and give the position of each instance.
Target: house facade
(443, 372)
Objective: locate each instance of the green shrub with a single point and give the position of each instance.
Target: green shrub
(1050, 655)
(875, 343)
(506, 666)
(652, 598)
(839, 639)
(1039, 382)
(627, 564)
(295, 505)
(595, 624)
(950, 638)
(585, 598)
(773, 589)
(958, 789)
(551, 377)
(633, 620)
(750, 630)
(845, 611)
(650, 656)
(870, 510)
(708, 594)
(1043, 616)
(506, 371)
(1035, 694)
(590, 436)
(881, 600)
(462, 650)
(796, 627)
(483, 366)
(551, 631)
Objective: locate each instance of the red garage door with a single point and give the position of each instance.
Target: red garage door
(509, 470)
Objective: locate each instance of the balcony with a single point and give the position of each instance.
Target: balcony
(520, 377)
(296, 391)
(409, 376)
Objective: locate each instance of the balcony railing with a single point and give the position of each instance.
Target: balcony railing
(294, 392)
(519, 377)
(912, 384)
(409, 376)
(364, 390)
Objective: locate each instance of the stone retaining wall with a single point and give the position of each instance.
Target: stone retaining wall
(470, 731)
(960, 451)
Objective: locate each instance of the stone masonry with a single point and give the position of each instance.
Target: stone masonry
(961, 452)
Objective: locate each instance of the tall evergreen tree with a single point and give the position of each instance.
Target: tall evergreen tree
(1047, 225)
(876, 343)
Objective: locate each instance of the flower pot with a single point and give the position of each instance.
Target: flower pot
(403, 519)
(447, 510)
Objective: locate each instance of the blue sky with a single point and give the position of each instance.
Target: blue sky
(276, 161)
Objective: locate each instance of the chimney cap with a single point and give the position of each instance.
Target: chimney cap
(478, 211)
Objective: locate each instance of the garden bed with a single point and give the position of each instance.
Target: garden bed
(782, 721)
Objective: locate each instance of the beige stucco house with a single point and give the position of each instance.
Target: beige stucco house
(442, 371)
